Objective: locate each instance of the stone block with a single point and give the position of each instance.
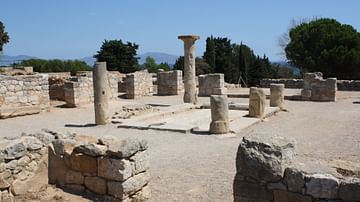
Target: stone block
(264, 158)
(56, 167)
(248, 191)
(294, 179)
(73, 177)
(126, 148)
(350, 190)
(141, 160)
(91, 149)
(256, 102)
(211, 84)
(95, 184)
(322, 186)
(219, 114)
(114, 169)
(284, 196)
(83, 163)
(277, 95)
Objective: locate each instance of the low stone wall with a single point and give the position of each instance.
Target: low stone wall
(79, 90)
(348, 85)
(20, 158)
(265, 173)
(16, 71)
(24, 94)
(115, 170)
(211, 84)
(57, 85)
(138, 84)
(342, 85)
(170, 83)
(289, 83)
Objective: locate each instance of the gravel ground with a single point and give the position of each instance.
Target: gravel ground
(187, 167)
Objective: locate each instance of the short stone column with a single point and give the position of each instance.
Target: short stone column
(256, 102)
(101, 93)
(277, 95)
(190, 95)
(219, 114)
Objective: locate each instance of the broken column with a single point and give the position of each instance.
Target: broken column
(190, 95)
(276, 95)
(101, 93)
(256, 102)
(219, 114)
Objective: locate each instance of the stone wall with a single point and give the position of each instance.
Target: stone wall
(138, 84)
(316, 88)
(211, 84)
(289, 83)
(170, 83)
(20, 158)
(342, 85)
(265, 173)
(110, 168)
(79, 90)
(24, 94)
(15, 71)
(57, 85)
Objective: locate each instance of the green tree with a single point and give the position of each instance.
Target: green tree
(56, 65)
(150, 65)
(209, 54)
(165, 66)
(202, 67)
(179, 64)
(119, 56)
(4, 36)
(327, 46)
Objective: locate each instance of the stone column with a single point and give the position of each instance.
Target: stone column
(190, 95)
(256, 102)
(101, 93)
(276, 95)
(219, 114)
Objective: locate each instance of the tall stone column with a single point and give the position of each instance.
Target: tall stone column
(101, 93)
(190, 95)
(219, 114)
(256, 103)
(276, 95)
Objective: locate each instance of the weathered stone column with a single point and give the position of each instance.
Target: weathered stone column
(219, 114)
(256, 102)
(190, 95)
(277, 95)
(101, 93)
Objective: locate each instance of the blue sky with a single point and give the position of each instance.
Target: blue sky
(69, 29)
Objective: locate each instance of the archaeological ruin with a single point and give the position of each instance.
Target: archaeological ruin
(175, 136)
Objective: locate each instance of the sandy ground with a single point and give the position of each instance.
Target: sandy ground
(188, 167)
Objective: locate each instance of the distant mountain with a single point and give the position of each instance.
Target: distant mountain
(89, 60)
(159, 57)
(6, 60)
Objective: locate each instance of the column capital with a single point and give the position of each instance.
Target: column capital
(189, 37)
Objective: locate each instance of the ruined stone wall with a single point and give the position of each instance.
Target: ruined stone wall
(79, 90)
(316, 88)
(342, 85)
(111, 168)
(15, 71)
(24, 94)
(265, 173)
(20, 158)
(138, 84)
(57, 85)
(170, 83)
(211, 84)
(289, 83)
